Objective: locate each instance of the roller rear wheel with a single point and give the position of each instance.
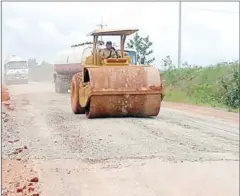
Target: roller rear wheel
(75, 84)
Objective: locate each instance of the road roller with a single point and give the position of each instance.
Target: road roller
(114, 87)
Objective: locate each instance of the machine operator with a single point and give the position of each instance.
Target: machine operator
(109, 51)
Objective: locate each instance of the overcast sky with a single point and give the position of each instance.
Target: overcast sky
(210, 31)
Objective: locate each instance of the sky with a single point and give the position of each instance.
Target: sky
(210, 30)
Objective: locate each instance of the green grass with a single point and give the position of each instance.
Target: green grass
(203, 86)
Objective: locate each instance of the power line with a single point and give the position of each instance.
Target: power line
(212, 10)
(218, 11)
(180, 24)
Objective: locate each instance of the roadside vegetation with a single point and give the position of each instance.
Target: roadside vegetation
(216, 85)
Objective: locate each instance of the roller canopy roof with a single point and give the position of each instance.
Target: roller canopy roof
(109, 32)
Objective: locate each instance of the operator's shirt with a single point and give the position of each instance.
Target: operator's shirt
(105, 53)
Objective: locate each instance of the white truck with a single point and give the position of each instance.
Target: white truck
(15, 70)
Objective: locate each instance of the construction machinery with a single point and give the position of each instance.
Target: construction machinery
(113, 87)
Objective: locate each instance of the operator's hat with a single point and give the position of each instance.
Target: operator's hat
(109, 43)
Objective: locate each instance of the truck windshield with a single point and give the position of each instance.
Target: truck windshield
(132, 54)
(17, 65)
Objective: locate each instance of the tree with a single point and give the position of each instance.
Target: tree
(185, 64)
(142, 45)
(167, 63)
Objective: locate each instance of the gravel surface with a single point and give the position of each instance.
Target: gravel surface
(188, 147)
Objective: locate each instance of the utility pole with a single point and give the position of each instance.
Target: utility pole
(101, 25)
(179, 34)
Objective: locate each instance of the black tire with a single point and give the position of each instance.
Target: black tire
(60, 87)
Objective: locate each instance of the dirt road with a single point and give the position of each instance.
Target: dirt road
(186, 150)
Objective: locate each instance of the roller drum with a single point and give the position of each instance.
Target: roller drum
(123, 91)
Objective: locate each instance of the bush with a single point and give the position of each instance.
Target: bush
(231, 89)
(215, 85)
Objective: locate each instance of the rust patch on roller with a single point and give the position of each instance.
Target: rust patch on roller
(156, 88)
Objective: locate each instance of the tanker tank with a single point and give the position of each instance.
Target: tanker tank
(66, 64)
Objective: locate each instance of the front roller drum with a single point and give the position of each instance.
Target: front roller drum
(75, 85)
(121, 91)
(123, 106)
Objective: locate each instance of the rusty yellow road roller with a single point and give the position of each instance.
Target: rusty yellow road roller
(115, 87)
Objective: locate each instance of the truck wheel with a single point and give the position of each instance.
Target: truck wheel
(59, 87)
